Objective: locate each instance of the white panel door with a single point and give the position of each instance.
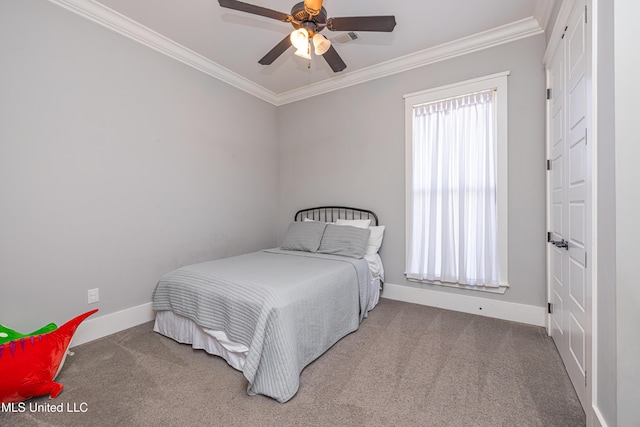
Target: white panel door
(569, 190)
(557, 273)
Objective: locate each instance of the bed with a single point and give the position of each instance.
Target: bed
(272, 312)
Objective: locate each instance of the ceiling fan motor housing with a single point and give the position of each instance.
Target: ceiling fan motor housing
(302, 19)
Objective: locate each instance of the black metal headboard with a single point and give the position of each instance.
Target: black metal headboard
(332, 213)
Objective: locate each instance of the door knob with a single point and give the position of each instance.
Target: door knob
(560, 244)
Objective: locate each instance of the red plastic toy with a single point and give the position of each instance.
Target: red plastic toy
(29, 365)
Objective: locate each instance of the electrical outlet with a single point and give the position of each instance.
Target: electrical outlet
(93, 296)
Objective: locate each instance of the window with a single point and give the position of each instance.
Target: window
(456, 195)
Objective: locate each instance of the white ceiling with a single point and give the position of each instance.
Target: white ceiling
(229, 43)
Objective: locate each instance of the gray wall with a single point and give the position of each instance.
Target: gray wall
(355, 156)
(617, 296)
(117, 164)
(627, 176)
(604, 351)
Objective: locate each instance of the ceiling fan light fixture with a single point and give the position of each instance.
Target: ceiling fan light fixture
(303, 53)
(300, 39)
(321, 44)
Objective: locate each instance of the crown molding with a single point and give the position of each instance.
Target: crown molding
(504, 34)
(133, 30)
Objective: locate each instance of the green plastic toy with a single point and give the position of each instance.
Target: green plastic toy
(7, 334)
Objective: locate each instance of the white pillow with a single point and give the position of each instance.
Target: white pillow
(305, 219)
(359, 223)
(375, 239)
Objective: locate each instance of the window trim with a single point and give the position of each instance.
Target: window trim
(499, 82)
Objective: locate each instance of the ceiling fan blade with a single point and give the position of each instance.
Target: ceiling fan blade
(333, 59)
(278, 50)
(362, 23)
(256, 10)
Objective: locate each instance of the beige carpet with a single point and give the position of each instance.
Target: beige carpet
(407, 365)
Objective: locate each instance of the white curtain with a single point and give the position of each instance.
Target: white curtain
(453, 217)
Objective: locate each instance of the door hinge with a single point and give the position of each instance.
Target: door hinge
(548, 165)
(586, 20)
(585, 378)
(585, 260)
(548, 236)
(549, 93)
(585, 136)
(549, 308)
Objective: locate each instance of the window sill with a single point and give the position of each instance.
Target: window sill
(501, 290)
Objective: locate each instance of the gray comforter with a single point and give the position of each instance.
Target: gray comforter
(286, 307)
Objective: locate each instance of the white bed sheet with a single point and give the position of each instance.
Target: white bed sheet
(186, 331)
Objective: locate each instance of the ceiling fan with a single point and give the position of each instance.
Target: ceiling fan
(309, 18)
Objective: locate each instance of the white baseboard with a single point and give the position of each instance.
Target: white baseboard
(522, 313)
(94, 328)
